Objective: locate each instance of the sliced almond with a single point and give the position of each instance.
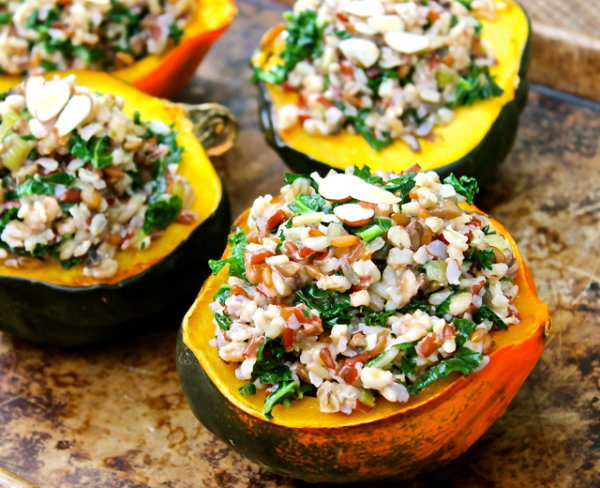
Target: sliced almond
(340, 187)
(74, 113)
(365, 29)
(33, 90)
(406, 43)
(52, 100)
(353, 214)
(363, 50)
(386, 23)
(364, 8)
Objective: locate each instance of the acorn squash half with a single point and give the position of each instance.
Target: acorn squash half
(166, 74)
(50, 304)
(393, 440)
(474, 143)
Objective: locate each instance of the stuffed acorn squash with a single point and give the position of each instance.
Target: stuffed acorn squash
(155, 46)
(438, 84)
(361, 326)
(107, 201)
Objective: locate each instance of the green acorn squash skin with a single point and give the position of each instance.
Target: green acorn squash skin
(480, 163)
(77, 316)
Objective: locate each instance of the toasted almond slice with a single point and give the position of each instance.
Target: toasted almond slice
(353, 214)
(363, 50)
(364, 8)
(52, 100)
(341, 187)
(74, 113)
(405, 42)
(365, 29)
(386, 23)
(33, 90)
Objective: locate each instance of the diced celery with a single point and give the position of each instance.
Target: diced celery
(497, 241)
(384, 359)
(367, 398)
(444, 78)
(16, 152)
(7, 122)
(436, 271)
(369, 234)
(178, 190)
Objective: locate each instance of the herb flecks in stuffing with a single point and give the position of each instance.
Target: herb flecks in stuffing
(387, 71)
(316, 305)
(78, 186)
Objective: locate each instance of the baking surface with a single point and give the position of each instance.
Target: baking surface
(115, 416)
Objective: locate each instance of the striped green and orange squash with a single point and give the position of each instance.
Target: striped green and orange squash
(393, 440)
(50, 304)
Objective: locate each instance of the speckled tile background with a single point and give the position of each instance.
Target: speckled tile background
(115, 417)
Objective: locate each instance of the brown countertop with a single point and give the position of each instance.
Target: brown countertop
(115, 416)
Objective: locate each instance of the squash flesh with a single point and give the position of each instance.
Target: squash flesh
(508, 37)
(521, 344)
(195, 166)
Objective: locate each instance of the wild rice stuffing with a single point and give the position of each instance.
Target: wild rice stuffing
(81, 180)
(384, 69)
(46, 35)
(362, 285)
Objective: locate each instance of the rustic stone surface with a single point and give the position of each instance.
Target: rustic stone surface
(115, 416)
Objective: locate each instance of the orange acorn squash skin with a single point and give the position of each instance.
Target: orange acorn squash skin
(165, 75)
(394, 441)
(52, 305)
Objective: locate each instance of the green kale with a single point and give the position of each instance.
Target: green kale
(160, 214)
(484, 313)
(485, 256)
(414, 305)
(237, 244)
(222, 294)
(248, 389)
(333, 307)
(289, 178)
(176, 33)
(364, 173)
(101, 156)
(67, 264)
(47, 65)
(467, 187)
(402, 186)
(358, 121)
(276, 375)
(94, 151)
(378, 318)
(477, 84)
(465, 361)
(223, 320)
(7, 216)
(304, 39)
(444, 307)
(120, 14)
(283, 393)
(78, 147)
(91, 55)
(465, 328)
(43, 185)
(305, 204)
(486, 230)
